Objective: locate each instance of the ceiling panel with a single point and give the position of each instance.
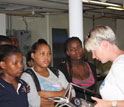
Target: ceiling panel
(23, 7)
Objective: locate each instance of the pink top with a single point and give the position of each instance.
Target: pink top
(85, 83)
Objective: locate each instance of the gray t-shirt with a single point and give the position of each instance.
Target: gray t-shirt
(51, 83)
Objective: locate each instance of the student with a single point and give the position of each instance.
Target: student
(101, 41)
(15, 42)
(13, 91)
(29, 60)
(76, 69)
(51, 85)
(5, 40)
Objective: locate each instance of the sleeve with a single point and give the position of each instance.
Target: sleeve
(33, 97)
(64, 82)
(1, 92)
(118, 72)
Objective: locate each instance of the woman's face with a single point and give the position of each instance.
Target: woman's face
(13, 65)
(75, 50)
(101, 53)
(42, 56)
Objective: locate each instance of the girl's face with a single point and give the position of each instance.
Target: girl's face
(42, 56)
(75, 50)
(13, 65)
(30, 63)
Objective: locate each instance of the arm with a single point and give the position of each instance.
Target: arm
(33, 97)
(106, 103)
(48, 94)
(65, 83)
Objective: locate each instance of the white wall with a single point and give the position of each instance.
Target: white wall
(2, 24)
(37, 26)
(120, 33)
(42, 27)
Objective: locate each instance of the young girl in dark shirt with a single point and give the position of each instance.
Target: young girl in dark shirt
(13, 91)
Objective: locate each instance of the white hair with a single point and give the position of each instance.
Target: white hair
(96, 35)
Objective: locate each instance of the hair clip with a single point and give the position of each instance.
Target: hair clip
(88, 36)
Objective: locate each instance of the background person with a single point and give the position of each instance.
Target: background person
(4, 40)
(29, 59)
(76, 69)
(15, 42)
(101, 41)
(51, 85)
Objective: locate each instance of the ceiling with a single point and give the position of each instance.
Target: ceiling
(42, 7)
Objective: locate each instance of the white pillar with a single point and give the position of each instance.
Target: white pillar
(48, 28)
(76, 19)
(2, 24)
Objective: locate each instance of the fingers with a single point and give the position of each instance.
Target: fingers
(96, 99)
(28, 88)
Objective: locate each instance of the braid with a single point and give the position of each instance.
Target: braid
(70, 65)
(85, 68)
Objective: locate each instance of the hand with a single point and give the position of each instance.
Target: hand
(102, 103)
(46, 103)
(28, 88)
(48, 94)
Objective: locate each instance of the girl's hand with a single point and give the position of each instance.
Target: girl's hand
(28, 88)
(48, 94)
(46, 103)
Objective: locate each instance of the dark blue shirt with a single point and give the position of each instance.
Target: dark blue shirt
(10, 97)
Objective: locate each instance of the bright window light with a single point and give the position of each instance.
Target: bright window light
(101, 3)
(115, 8)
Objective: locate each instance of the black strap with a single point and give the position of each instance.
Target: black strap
(36, 81)
(54, 70)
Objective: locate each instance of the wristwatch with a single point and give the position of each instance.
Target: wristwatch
(114, 103)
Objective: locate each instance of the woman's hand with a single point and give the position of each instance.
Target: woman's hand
(102, 103)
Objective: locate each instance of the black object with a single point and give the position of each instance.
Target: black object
(76, 101)
(54, 70)
(35, 79)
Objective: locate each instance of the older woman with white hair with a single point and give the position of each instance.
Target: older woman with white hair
(101, 41)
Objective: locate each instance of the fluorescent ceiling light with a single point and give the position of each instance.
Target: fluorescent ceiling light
(100, 3)
(115, 8)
